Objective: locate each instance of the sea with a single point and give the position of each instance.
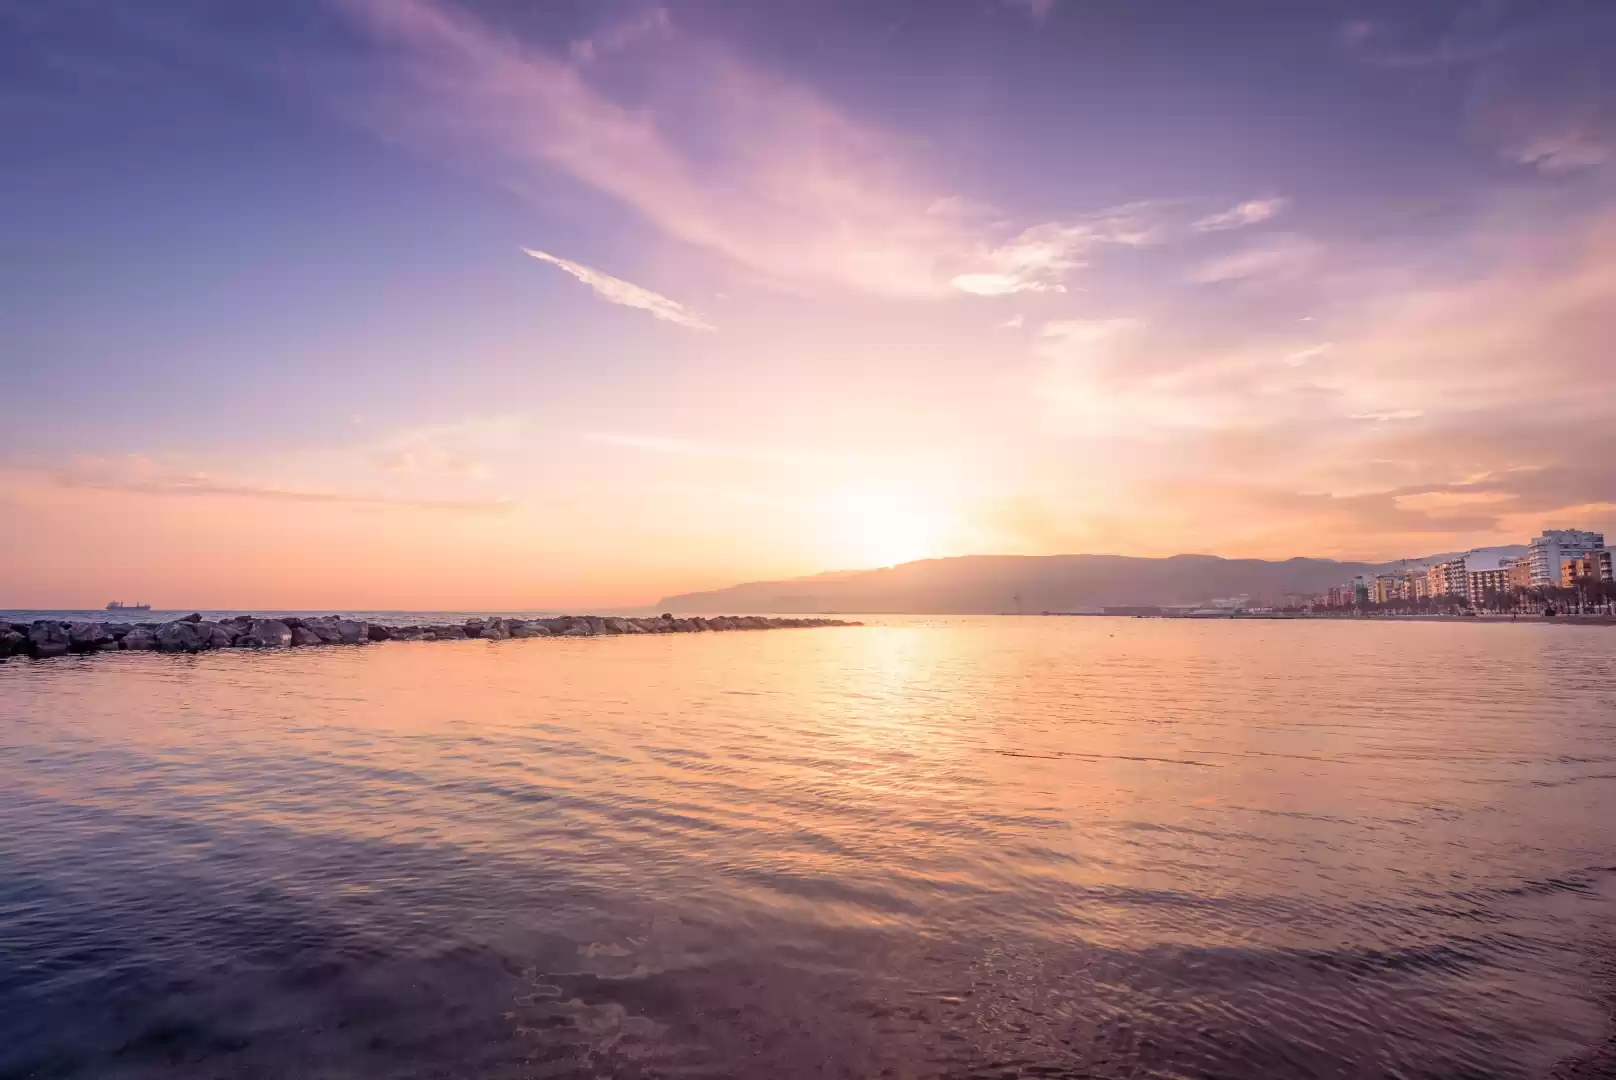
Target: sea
(985, 847)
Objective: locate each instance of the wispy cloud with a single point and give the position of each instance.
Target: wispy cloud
(136, 475)
(1250, 212)
(617, 291)
(1282, 256)
(652, 23)
(1039, 258)
(1564, 151)
(1039, 10)
(659, 444)
(724, 157)
(1310, 352)
(408, 461)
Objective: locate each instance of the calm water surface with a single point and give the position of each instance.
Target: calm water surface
(962, 847)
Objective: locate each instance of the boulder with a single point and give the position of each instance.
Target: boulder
(350, 632)
(48, 638)
(84, 636)
(378, 633)
(193, 617)
(180, 636)
(212, 635)
(324, 628)
(12, 643)
(494, 630)
(266, 634)
(474, 628)
(302, 635)
(530, 630)
(138, 638)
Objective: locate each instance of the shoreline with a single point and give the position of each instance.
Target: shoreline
(1575, 620)
(43, 639)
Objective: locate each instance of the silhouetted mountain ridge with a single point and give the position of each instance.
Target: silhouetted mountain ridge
(987, 584)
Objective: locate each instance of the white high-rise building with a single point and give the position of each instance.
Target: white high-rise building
(1554, 547)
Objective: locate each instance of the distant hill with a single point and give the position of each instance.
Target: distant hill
(988, 584)
(985, 584)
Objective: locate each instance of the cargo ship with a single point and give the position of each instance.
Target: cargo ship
(119, 605)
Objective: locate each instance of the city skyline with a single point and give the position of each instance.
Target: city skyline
(420, 303)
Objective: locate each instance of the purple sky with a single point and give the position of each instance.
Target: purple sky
(421, 302)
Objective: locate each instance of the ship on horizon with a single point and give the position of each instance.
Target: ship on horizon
(119, 605)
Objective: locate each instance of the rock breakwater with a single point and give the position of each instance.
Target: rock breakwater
(45, 638)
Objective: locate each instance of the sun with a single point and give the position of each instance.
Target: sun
(868, 528)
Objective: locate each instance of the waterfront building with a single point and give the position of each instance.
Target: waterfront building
(1520, 572)
(1386, 588)
(1485, 575)
(1589, 566)
(1416, 586)
(1448, 578)
(1549, 551)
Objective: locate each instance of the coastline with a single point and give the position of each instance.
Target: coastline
(1245, 616)
(43, 639)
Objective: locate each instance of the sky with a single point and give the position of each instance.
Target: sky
(540, 303)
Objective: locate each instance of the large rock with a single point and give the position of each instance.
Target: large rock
(139, 638)
(324, 628)
(529, 630)
(48, 638)
(474, 628)
(493, 630)
(378, 633)
(302, 635)
(12, 643)
(266, 634)
(181, 636)
(211, 635)
(334, 630)
(84, 636)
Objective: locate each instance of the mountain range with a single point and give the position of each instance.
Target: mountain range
(989, 584)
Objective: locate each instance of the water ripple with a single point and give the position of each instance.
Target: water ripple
(923, 848)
